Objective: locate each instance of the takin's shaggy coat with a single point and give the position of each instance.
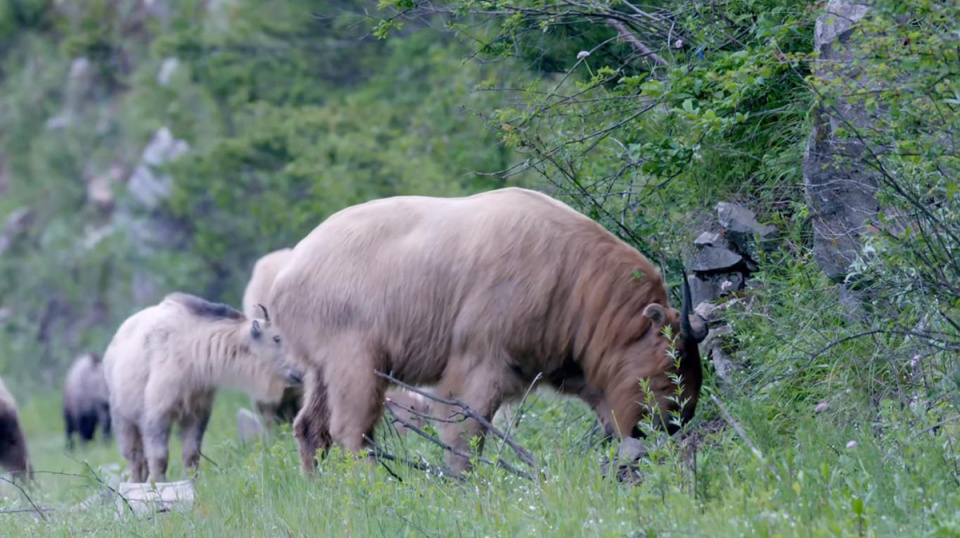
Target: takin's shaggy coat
(164, 365)
(86, 401)
(258, 293)
(406, 405)
(477, 295)
(13, 444)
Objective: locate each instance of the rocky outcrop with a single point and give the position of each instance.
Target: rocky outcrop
(840, 187)
(18, 222)
(722, 264)
(147, 185)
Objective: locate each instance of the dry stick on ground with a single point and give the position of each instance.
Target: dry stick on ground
(737, 428)
(499, 463)
(522, 453)
(517, 413)
(380, 454)
(93, 475)
(743, 435)
(23, 492)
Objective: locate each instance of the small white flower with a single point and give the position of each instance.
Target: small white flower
(678, 44)
(821, 407)
(583, 54)
(915, 361)
(726, 285)
(852, 444)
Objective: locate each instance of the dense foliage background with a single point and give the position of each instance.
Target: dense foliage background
(152, 146)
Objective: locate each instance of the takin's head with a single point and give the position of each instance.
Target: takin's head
(667, 355)
(678, 389)
(273, 372)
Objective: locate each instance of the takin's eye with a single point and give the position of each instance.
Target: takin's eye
(276, 339)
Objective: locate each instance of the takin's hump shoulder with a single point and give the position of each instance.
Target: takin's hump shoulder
(203, 308)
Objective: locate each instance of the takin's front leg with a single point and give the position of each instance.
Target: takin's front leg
(479, 388)
(192, 427)
(356, 403)
(312, 425)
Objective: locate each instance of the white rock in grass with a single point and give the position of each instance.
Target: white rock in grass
(249, 427)
(147, 498)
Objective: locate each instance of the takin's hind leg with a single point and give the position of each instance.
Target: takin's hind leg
(131, 448)
(156, 436)
(481, 391)
(192, 427)
(312, 425)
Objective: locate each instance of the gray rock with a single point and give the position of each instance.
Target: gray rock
(840, 187)
(100, 188)
(249, 428)
(167, 69)
(742, 229)
(709, 287)
(58, 122)
(713, 259)
(710, 239)
(712, 349)
(706, 309)
(81, 85)
(18, 222)
(147, 186)
(163, 148)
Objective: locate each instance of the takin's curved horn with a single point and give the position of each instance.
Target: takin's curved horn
(266, 315)
(692, 327)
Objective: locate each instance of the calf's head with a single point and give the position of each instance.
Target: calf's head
(273, 373)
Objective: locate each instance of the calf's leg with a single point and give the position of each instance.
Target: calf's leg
(192, 427)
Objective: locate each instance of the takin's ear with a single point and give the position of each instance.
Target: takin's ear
(656, 313)
(255, 330)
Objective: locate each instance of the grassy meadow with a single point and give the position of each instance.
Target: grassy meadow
(705, 482)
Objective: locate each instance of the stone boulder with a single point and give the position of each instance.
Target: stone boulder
(710, 287)
(249, 428)
(712, 349)
(147, 186)
(841, 189)
(716, 259)
(18, 222)
(742, 229)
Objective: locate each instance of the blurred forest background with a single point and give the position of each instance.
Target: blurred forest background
(157, 145)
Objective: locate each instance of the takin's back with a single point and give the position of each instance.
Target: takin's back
(426, 277)
(265, 271)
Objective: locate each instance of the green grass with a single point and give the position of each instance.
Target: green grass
(805, 482)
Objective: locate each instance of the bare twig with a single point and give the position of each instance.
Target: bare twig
(737, 428)
(26, 496)
(505, 438)
(449, 448)
(465, 410)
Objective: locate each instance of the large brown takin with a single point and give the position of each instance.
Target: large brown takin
(13, 444)
(257, 293)
(165, 364)
(477, 296)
